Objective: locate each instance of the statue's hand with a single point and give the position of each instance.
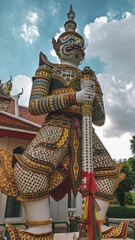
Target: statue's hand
(87, 92)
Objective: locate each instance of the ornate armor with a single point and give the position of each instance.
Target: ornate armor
(54, 156)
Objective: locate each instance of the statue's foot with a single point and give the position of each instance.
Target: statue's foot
(117, 233)
(14, 234)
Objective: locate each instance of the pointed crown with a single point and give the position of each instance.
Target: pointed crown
(70, 25)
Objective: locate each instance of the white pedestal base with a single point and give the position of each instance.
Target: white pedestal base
(65, 236)
(69, 236)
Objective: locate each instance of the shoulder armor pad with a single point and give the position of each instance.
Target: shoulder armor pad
(43, 60)
(42, 72)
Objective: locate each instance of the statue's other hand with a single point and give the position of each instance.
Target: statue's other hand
(85, 95)
(87, 92)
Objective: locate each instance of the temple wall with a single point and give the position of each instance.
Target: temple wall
(3, 199)
(60, 211)
(9, 144)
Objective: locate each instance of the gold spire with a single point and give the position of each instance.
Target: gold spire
(70, 25)
(71, 14)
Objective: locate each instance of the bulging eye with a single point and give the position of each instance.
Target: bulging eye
(71, 41)
(81, 44)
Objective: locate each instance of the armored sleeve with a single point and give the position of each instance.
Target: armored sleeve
(98, 113)
(41, 101)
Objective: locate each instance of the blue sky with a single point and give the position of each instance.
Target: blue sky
(18, 56)
(108, 26)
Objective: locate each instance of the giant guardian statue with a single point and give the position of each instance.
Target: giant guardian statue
(66, 144)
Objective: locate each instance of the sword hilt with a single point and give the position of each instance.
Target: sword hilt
(88, 75)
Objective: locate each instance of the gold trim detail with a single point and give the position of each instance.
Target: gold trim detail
(7, 181)
(13, 233)
(102, 220)
(87, 108)
(106, 173)
(38, 223)
(22, 234)
(31, 164)
(120, 232)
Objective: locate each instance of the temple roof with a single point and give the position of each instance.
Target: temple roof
(18, 124)
(5, 99)
(13, 126)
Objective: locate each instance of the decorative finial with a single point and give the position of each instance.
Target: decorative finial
(6, 86)
(71, 14)
(70, 25)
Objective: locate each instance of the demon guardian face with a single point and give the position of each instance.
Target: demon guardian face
(70, 44)
(70, 48)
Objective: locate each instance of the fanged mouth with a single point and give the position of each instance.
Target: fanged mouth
(68, 49)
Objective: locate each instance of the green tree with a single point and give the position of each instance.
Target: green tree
(127, 184)
(133, 145)
(129, 198)
(131, 161)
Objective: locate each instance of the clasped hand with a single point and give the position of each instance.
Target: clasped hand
(87, 92)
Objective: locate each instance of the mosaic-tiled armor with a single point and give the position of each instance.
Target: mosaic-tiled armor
(54, 156)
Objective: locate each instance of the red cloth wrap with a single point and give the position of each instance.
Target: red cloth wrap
(76, 125)
(93, 227)
(90, 182)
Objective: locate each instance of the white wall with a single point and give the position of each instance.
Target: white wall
(59, 210)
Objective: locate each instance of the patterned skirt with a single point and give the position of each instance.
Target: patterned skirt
(51, 164)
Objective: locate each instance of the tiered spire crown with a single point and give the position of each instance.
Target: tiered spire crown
(71, 14)
(70, 25)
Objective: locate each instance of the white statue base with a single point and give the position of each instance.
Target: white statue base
(69, 236)
(65, 236)
(38, 211)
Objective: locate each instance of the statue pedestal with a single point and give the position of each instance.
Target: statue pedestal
(69, 236)
(65, 236)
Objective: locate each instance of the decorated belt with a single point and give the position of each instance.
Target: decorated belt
(63, 120)
(58, 120)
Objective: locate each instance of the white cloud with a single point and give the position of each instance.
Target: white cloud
(61, 30)
(113, 42)
(53, 7)
(119, 99)
(19, 82)
(101, 20)
(29, 33)
(113, 16)
(126, 14)
(131, 97)
(118, 147)
(52, 52)
(54, 11)
(32, 17)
